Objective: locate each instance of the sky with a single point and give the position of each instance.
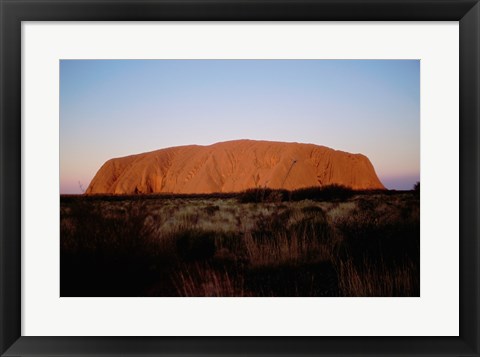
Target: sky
(115, 108)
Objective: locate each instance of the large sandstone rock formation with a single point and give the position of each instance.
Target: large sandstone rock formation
(234, 166)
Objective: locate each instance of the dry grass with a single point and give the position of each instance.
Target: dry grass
(377, 280)
(365, 245)
(203, 280)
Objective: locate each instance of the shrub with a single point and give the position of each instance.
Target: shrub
(310, 229)
(366, 205)
(324, 193)
(262, 195)
(210, 210)
(195, 244)
(312, 210)
(366, 237)
(416, 187)
(107, 255)
(269, 225)
(317, 193)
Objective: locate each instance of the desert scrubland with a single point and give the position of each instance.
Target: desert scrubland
(329, 241)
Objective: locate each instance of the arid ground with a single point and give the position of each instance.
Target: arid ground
(310, 242)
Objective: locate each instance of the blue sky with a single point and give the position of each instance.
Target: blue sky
(113, 108)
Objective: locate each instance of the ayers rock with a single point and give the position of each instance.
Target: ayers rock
(234, 166)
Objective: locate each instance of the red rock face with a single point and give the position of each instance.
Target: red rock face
(234, 166)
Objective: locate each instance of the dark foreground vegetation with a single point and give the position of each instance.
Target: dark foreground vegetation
(311, 242)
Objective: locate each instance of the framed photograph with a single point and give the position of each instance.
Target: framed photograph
(239, 177)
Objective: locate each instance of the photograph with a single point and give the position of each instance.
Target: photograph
(239, 178)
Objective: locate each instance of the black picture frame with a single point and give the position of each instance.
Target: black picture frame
(13, 12)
